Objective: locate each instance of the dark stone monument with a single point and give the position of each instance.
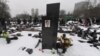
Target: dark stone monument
(50, 26)
(24, 21)
(62, 22)
(35, 20)
(18, 21)
(3, 24)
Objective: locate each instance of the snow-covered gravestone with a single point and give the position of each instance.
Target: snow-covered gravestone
(50, 26)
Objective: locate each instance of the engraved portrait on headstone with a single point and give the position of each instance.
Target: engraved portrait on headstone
(47, 23)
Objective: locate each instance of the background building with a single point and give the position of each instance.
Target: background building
(36, 12)
(33, 14)
(81, 5)
(80, 8)
(94, 3)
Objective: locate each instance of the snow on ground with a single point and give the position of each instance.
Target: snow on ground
(95, 26)
(38, 28)
(83, 28)
(14, 49)
(81, 49)
(12, 28)
(64, 29)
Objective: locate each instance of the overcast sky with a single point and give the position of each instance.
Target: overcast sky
(20, 6)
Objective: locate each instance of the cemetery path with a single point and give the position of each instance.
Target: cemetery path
(14, 49)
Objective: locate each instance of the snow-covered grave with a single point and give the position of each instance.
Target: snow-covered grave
(92, 28)
(15, 47)
(64, 29)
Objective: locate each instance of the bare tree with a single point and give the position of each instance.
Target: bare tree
(4, 9)
(23, 16)
(62, 13)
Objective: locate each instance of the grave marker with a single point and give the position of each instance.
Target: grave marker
(50, 26)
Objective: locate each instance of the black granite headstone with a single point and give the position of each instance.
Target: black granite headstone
(18, 21)
(24, 21)
(62, 22)
(50, 26)
(3, 24)
(35, 20)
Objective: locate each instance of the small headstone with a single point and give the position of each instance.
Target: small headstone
(8, 40)
(80, 33)
(24, 21)
(15, 38)
(12, 30)
(29, 34)
(18, 34)
(18, 21)
(36, 36)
